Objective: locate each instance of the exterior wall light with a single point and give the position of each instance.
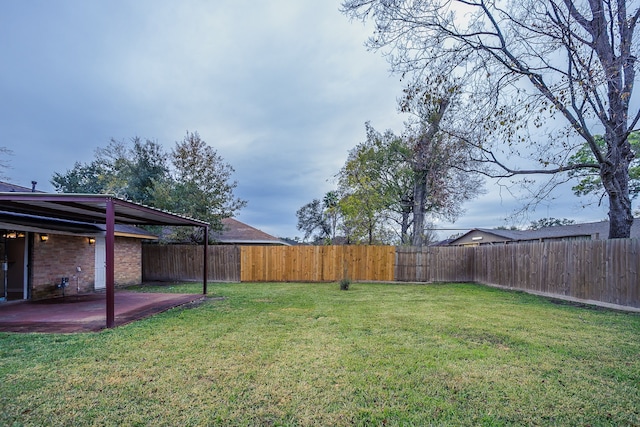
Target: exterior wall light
(44, 237)
(92, 240)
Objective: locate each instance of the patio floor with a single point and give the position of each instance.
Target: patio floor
(85, 313)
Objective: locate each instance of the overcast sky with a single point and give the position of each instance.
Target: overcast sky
(280, 88)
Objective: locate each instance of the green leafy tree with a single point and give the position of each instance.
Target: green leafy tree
(589, 180)
(549, 222)
(89, 178)
(146, 166)
(127, 170)
(313, 221)
(192, 180)
(199, 184)
(396, 182)
(362, 221)
(377, 186)
(525, 63)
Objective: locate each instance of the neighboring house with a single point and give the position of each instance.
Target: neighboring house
(586, 231)
(235, 232)
(6, 187)
(44, 257)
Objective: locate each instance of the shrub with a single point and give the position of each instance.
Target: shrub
(344, 284)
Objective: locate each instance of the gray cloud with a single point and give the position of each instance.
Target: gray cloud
(280, 89)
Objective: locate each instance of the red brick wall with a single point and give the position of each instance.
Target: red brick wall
(61, 256)
(128, 260)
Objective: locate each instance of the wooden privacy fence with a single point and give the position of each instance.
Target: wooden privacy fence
(269, 263)
(590, 270)
(316, 263)
(185, 262)
(435, 264)
(603, 271)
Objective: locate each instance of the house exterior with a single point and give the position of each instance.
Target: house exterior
(48, 260)
(44, 257)
(26, 217)
(235, 232)
(587, 231)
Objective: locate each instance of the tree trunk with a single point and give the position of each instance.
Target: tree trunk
(407, 208)
(421, 168)
(419, 203)
(615, 179)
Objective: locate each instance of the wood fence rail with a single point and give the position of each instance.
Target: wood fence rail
(604, 271)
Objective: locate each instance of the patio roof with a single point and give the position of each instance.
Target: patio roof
(99, 209)
(90, 208)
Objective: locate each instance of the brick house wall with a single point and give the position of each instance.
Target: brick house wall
(128, 261)
(61, 256)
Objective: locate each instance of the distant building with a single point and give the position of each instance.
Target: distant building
(6, 187)
(235, 232)
(586, 231)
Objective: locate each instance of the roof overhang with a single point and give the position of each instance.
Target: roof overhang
(90, 208)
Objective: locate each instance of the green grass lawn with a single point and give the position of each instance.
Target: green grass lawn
(310, 354)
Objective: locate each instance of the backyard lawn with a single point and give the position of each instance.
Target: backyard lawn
(311, 354)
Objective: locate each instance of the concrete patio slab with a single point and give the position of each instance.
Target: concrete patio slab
(85, 313)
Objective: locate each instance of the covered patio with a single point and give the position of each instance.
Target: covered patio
(86, 313)
(106, 211)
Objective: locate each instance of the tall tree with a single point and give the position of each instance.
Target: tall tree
(405, 179)
(126, 169)
(375, 182)
(438, 156)
(527, 61)
(200, 184)
(192, 180)
(428, 160)
(313, 221)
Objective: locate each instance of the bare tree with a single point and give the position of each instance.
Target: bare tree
(438, 155)
(528, 61)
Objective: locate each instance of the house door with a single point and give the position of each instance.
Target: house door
(101, 264)
(13, 276)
